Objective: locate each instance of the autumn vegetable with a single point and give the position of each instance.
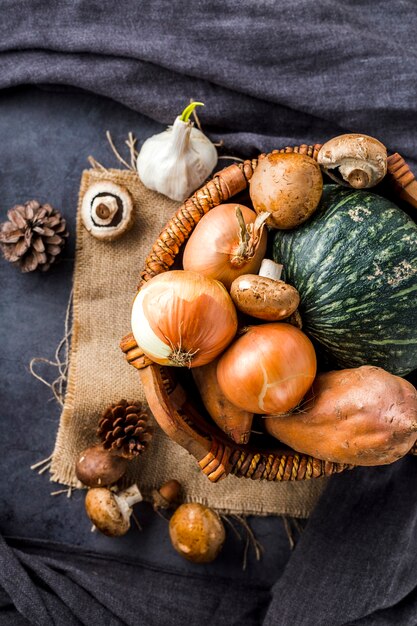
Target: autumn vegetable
(353, 160)
(229, 240)
(178, 160)
(182, 318)
(288, 186)
(235, 422)
(96, 467)
(354, 264)
(167, 495)
(110, 512)
(362, 416)
(269, 369)
(197, 532)
(265, 297)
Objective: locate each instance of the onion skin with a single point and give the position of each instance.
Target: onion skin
(215, 249)
(269, 369)
(359, 416)
(181, 318)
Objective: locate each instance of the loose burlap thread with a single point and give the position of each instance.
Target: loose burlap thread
(105, 279)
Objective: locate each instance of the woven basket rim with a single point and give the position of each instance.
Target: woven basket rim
(216, 453)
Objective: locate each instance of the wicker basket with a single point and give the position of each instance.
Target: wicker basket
(174, 408)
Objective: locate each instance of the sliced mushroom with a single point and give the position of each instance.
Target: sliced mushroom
(97, 467)
(265, 296)
(107, 210)
(110, 512)
(360, 160)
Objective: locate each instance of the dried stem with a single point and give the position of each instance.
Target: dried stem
(249, 237)
(131, 144)
(39, 463)
(287, 521)
(61, 363)
(250, 540)
(95, 164)
(229, 158)
(229, 523)
(289, 532)
(116, 153)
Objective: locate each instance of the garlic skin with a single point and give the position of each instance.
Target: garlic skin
(177, 161)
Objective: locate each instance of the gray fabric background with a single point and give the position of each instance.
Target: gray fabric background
(270, 73)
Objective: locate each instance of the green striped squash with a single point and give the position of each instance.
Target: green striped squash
(355, 266)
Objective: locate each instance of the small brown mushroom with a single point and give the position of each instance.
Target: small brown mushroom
(361, 161)
(166, 496)
(197, 532)
(97, 467)
(110, 512)
(287, 185)
(265, 296)
(107, 210)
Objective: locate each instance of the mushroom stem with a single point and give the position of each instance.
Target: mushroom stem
(127, 498)
(103, 211)
(131, 495)
(358, 179)
(270, 269)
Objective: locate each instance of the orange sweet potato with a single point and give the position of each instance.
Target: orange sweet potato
(235, 422)
(361, 416)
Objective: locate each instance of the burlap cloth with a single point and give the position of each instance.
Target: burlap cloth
(105, 279)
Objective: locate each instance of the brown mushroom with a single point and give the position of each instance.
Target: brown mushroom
(197, 532)
(288, 185)
(264, 295)
(360, 160)
(110, 512)
(97, 467)
(167, 495)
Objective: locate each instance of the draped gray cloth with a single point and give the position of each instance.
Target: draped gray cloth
(270, 74)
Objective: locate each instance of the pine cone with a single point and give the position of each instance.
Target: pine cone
(33, 237)
(124, 429)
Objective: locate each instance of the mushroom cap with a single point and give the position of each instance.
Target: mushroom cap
(355, 153)
(197, 532)
(103, 510)
(167, 495)
(288, 185)
(97, 467)
(264, 298)
(107, 210)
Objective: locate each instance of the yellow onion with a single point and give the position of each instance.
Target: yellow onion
(181, 318)
(269, 369)
(230, 240)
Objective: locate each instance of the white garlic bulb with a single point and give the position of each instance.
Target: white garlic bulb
(177, 161)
